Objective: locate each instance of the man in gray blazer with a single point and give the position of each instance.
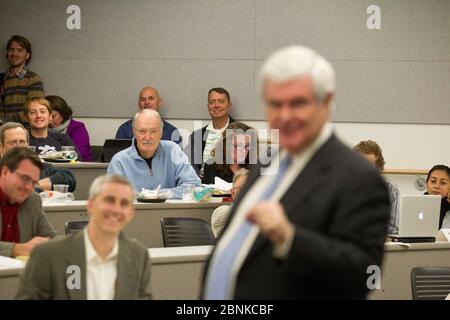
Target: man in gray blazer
(23, 223)
(97, 263)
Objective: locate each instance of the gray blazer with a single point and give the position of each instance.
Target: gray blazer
(46, 274)
(32, 223)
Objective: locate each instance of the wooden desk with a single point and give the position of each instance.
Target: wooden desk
(398, 262)
(85, 173)
(176, 273)
(145, 226)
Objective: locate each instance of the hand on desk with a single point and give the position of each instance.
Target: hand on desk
(24, 249)
(45, 184)
(272, 220)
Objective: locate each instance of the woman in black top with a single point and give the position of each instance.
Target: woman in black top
(237, 149)
(438, 183)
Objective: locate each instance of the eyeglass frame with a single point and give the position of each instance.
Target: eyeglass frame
(26, 179)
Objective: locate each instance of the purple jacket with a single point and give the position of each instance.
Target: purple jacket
(78, 133)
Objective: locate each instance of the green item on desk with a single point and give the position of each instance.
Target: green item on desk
(202, 194)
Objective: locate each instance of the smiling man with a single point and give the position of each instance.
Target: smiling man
(12, 135)
(97, 263)
(149, 99)
(311, 230)
(150, 161)
(23, 224)
(17, 84)
(203, 141)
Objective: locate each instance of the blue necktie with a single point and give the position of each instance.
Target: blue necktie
(219, 274)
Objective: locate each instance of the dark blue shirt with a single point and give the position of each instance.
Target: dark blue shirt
(125, 131)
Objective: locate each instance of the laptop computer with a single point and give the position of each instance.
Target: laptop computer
(418, 218)
(112, 146)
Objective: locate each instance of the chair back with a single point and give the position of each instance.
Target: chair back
(430, 283)
(179, 232)
(75, 226)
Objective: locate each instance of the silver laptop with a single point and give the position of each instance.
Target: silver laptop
(418, 216)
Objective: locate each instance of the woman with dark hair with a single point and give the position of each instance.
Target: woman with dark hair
(438, 183)
(237, 149)
(62, 122)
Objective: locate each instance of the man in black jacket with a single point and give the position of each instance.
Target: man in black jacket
(202, 141)
(312, 229)
(14, 134)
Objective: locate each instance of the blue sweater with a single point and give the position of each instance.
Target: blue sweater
(170, 168)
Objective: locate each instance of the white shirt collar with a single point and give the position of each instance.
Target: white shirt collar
(210, 127)
(91, 253)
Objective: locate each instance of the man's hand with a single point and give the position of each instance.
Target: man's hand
(45, 184)
(272, 220)
(24, 249)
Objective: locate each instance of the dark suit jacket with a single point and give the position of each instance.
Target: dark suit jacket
(193, 151)
(45, 275)
(340, 208)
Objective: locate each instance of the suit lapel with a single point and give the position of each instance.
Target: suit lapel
(76, 256)
(126, 272)
(303, 186)
(24, 220)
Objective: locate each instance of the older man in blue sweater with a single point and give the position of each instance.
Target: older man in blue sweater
(150, 162)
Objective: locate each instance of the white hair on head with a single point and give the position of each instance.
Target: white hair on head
(148, 112)
(296, 62)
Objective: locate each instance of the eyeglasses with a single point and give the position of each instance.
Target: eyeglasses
(26, 179)
(15, 143)
(240, 146)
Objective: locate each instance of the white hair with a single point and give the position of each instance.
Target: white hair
(296, 62)
(148, 112)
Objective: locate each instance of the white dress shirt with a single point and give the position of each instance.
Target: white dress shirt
(252, 197)
(211, 140)
(101, 273)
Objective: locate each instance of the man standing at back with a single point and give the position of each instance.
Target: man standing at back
(17, 84)
(149, 99)
(311, 230)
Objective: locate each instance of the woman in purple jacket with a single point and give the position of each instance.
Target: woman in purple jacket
(63, 122)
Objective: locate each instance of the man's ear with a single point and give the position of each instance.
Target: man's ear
(3, 170)
(328, 98)
(89, 206)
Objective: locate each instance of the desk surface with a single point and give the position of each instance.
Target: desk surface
(179, 254)
(80, 165)
(396, 246)
(157, 255)
(169, 204)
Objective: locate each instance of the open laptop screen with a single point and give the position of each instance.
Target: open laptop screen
(419, 216)
(112, 146)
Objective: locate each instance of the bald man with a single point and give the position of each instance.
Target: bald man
(149, 99)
